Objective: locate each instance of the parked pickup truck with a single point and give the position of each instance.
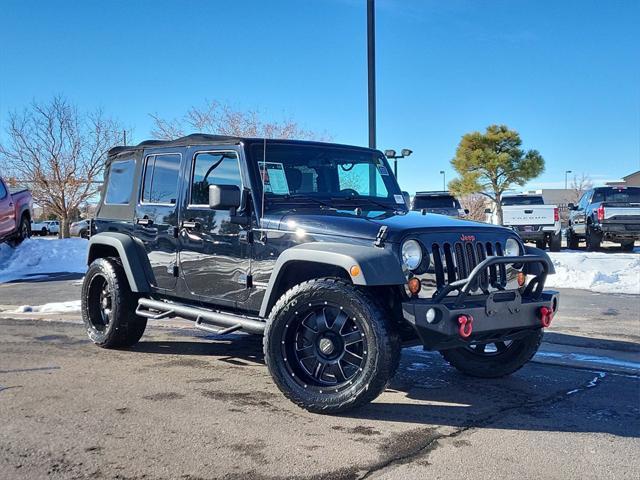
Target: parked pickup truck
(605, 213)
(46, 227)
(532, 219)
(442, 203)
(15, 214)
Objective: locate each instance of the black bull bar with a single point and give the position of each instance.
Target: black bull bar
(451, 321)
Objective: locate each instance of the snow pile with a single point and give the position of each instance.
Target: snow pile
(61, 307)
(596, 271)
(38, 256)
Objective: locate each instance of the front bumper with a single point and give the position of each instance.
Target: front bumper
(497, 316)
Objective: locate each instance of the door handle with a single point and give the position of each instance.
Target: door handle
(144, 221)
(191, 225)
(528, 211)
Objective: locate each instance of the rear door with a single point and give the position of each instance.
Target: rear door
(7, 211)
(214, 254)
(156, 218)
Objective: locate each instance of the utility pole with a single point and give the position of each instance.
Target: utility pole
(124, 137)
(565, 178)
(444, 180)
(371, 63)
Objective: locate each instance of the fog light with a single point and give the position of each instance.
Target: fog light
(521, 278)
(414, 285)
(431, 315)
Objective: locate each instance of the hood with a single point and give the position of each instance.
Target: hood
(347, 224)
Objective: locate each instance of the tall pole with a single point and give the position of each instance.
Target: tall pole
(371, 63)
(565, 178)
(444, 180)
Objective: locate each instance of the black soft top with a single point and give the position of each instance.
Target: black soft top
(208, 139)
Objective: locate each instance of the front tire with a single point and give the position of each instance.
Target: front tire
(329, 347)
(494, 360)
(573, 242)
(108, 306)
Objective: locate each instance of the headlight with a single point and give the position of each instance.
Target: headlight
(511, 248)
(411, 254)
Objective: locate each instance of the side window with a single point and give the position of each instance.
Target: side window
(213, 168)
(161, 179)
(120, 182)
(3, 191)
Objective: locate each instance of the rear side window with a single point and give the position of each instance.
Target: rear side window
(120, 182)
(3, 191)
(213, 168)
(161, 179)
(620, 195)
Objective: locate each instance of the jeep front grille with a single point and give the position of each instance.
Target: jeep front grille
(451, 262)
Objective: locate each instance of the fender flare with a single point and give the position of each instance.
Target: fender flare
(132, 255)
(535, 268)
(377, 266)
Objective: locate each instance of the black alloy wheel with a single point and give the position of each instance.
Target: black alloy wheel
(100, 303)
(324, 346)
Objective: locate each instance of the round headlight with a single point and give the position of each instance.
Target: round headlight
(511, 248)
(411, 254)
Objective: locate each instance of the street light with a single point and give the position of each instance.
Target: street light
(444, 180)
(565, 178)
(391, 155)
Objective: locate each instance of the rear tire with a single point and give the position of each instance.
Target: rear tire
(628, 246)
(556, 242)
(477, 362)
(573, 242)
(24, 232)
(108, 306)
(594, 239)
(329, 347)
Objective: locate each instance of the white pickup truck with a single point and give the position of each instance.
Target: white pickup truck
(47, 227)
(532, 219)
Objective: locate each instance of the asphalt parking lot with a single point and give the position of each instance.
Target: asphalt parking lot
(182, 404)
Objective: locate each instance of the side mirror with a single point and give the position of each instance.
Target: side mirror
(487, 210)
(224, 197)
(407, 198)
(571, 206)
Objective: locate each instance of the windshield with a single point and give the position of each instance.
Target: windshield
(506, 201)
(326, 176)
(621, 195)
(435, 202)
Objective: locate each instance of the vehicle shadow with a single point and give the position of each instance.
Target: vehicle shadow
(427, 391)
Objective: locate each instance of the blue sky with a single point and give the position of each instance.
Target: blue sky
(565, 74)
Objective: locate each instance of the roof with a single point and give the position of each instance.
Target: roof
(627, 177)
(208, 139)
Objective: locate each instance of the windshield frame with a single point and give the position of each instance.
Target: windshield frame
(333, 199)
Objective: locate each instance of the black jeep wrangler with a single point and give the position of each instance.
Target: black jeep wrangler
(311, 245)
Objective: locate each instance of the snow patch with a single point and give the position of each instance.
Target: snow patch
(36, 257)
(596, 271)
(58, 307)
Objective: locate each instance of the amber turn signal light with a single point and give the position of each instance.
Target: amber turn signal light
(414, 285)
(354, 271)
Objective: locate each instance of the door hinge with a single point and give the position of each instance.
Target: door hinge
(381, 237)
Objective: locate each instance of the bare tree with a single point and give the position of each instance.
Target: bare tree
(59, 153)
(222, 119)
(579, 185)
(476, 204)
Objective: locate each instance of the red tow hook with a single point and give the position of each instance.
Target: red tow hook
(465, 323)
(546, 315)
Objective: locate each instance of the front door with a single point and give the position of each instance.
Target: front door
(214, 260)
(157, 215)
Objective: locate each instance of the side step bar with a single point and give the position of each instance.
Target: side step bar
(155, 309)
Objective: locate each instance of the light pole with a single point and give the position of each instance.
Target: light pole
(444, 180)
(391, 155)
(565, 178)
(371, 66)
